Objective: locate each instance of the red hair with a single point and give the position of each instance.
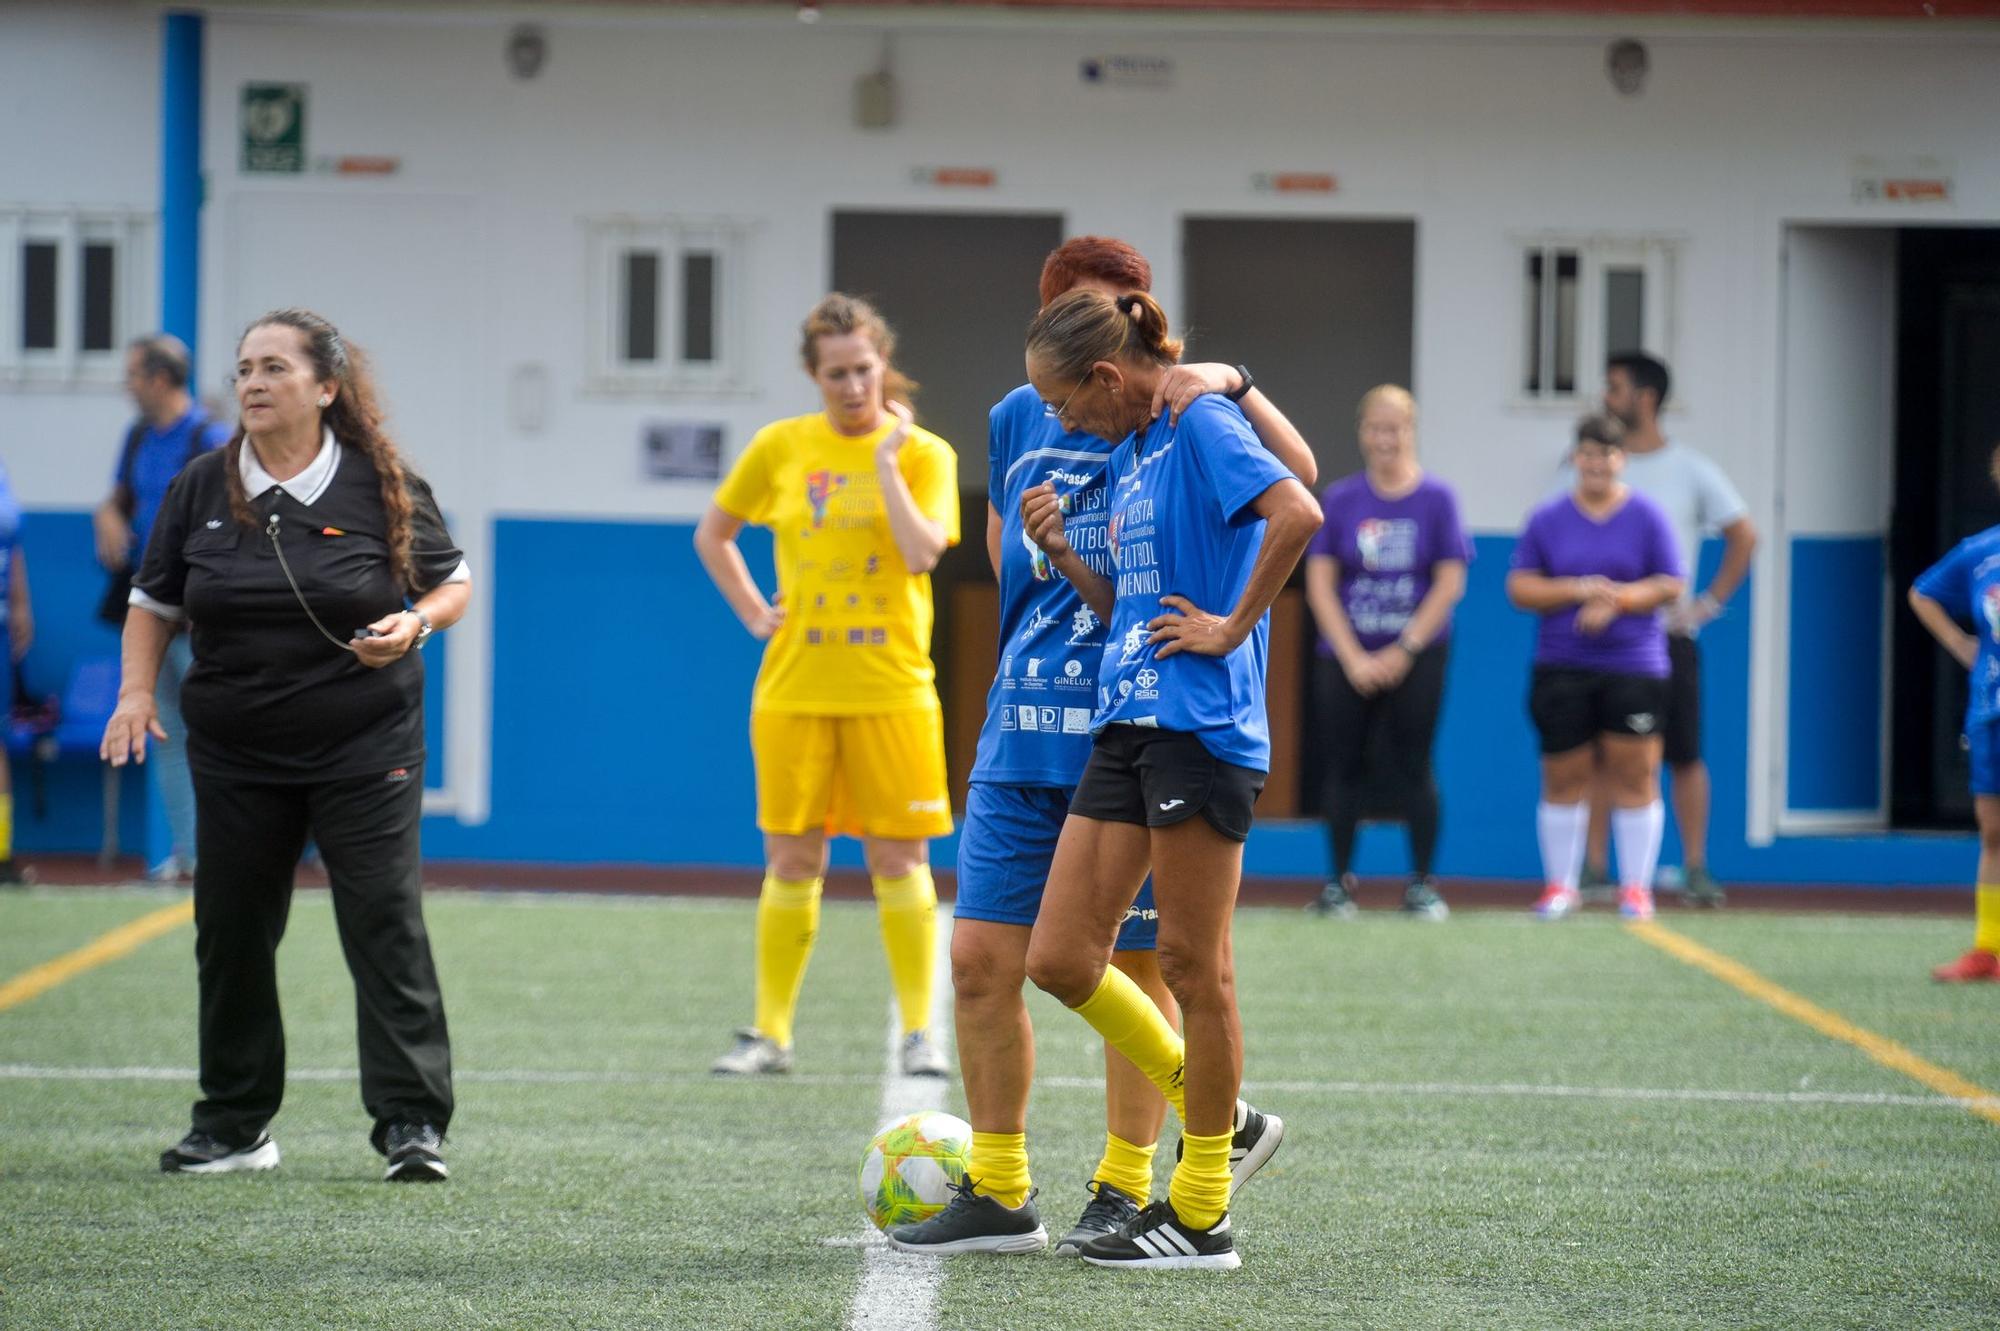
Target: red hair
(1094, 258)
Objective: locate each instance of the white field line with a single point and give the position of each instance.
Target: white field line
(899, 1290)
(1407, 1089)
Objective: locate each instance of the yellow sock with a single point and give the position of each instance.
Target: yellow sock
(1126, 1167)
(908, 910)
(999, 1167)
(1200, 1187)
(787, 924)
(1986, 929)
(6, 826)
(1131, 1023)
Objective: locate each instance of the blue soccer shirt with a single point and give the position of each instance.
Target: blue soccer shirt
(1966, 582)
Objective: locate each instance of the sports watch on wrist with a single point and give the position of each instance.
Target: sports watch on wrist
(423, 627)
(1242, 389)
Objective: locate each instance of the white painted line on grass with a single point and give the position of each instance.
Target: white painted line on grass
(899, 1290)
(1411, 1089)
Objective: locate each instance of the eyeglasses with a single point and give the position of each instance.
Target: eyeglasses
(1058, 413)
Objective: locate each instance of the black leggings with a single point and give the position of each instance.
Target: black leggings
(1378, 755)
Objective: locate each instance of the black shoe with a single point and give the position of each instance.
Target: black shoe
(1157, 1238)
(1421, 899)
(973, 1222)
(1336, 899)
(1109, 1211)
(1254, 1141)
(416, 1154)
(1596, 888)
(201, 1153)
(1699, 888)
(12, 874)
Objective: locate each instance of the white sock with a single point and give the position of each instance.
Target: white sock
(1562, 829)
(1636, 833)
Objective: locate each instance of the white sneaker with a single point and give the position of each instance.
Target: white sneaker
(200, 1153)
(755, 1054)
(922, 1057)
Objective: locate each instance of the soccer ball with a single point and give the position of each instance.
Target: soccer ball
(908, 1170)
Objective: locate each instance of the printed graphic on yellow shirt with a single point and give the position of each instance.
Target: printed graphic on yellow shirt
(857, 630)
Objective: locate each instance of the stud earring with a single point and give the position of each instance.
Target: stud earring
(326, 402)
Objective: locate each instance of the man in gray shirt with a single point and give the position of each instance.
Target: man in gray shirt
(1698, 499)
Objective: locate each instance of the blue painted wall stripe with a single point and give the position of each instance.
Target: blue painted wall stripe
(1834, 740)
(180, 176)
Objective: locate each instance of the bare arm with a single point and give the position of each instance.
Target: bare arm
(1447, 590)
(1739, 541)
(715, 545)
(1291, 518)
(919, 539)
(995, 533)
(396, 632)
(20, 608)
(1647, 594)
(114, 532)
(137, 714)
(1964, 648)
(1042, 517)
(1323, 598)
(1182, 384)
(1541, 593)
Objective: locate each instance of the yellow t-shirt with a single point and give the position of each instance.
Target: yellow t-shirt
(857, 633)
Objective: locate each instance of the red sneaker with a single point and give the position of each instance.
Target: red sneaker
(1557, 902)
(1635, 903)
(1974, 966)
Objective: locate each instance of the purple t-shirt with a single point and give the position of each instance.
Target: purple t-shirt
(1386, 549)
(1637, 541)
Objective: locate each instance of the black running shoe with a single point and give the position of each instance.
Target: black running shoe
(1336, 899)
(200, 1153)
(1110, 1210)
(416, 1154)
(1157, 1238)
(974, 1222)
(1596, 887)
(1254, 1141)
(1421, 899)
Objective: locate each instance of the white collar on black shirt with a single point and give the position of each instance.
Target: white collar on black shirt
(307, 486)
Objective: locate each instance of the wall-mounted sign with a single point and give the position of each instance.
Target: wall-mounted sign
(1902, 179)
(360, 166)
(680, 451)
(1295, 182)
(957, 177)
(274, 128)
(1126, 71)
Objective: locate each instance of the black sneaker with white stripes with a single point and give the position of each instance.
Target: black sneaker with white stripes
(1156, 1237)
(974, 1222)
(201, 1153)
(1254, 1140)
(1109, 1211)
(416, 1154)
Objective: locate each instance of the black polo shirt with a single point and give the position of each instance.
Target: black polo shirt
(269, 698)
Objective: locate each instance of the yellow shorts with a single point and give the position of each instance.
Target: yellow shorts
(878, 776)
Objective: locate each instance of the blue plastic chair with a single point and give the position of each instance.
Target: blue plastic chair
(87, 703)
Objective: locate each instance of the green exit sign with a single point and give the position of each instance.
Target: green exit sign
(274, 127)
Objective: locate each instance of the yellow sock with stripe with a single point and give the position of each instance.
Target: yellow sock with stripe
(1131, 1023)
(7, 826)
(908, 910)
(1986, 927)
(1127, 1167)
(999, 1167)
(1200, 1187)
(787, 924)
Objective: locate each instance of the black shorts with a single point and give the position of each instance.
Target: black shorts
(1684, 706)
(1157, 778)
(1571, 706)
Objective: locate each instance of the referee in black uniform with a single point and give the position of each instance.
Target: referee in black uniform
(310, 565)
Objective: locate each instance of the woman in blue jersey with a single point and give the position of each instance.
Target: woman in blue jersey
(17, 634)
(1203, 527)
(1964, 588)
(1032, 749)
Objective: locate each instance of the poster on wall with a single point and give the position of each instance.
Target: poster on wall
(680, 451)
(274, 128)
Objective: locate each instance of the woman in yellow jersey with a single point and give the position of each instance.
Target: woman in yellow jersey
(844, 722)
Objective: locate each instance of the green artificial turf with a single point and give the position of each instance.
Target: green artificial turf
(1491, 1124)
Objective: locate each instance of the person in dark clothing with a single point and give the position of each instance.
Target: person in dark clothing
(309, 564)
(1383, 577)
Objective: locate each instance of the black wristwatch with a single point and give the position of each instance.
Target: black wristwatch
(1243, 389)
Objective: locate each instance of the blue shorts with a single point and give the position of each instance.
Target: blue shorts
(1004, 852)
(1983, 749)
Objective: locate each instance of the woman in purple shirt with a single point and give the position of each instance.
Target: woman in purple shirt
(1382, 578)
(1597, 565)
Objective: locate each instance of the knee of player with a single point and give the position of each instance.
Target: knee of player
(979, 972)
(1195, 970)
(1068, 974)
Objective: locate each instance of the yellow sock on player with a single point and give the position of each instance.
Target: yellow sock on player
(1986, 926)
(1132, 1024)
(787, 924)
(999, 1167)
(1200, 1188)
(1127, 1167)
(6, 827)
(908, 910)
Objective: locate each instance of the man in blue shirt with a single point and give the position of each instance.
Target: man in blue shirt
(171, 430)
(17, 633)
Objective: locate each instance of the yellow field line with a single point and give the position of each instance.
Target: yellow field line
(120, 942)
(1883, 1050)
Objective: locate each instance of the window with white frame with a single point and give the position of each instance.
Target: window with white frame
(666, 302)
(1588, 297)
(73, 287)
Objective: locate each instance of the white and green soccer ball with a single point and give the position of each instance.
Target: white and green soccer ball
(909, 1168)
